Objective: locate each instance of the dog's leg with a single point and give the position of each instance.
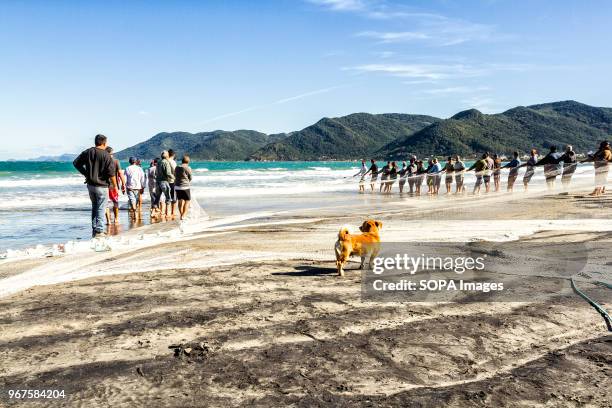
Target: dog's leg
(363, 258)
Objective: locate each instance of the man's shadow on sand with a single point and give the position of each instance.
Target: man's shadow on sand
(310, 270)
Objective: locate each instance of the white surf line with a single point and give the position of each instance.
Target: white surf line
(72, 266)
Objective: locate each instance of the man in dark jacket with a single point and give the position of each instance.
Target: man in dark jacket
(99, 170)
(569, 165)
(552, 166)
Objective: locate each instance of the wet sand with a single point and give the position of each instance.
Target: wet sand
(253, 313)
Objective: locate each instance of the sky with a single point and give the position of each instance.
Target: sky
(129, 70)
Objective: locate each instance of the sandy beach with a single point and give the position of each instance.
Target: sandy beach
(251, 312)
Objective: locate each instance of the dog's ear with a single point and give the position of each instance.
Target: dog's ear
(378, 224)
(365, 227)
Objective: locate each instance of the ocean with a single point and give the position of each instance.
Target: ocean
(47, 202)
(44, 203)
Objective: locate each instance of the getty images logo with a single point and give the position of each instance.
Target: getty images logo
(412, 264)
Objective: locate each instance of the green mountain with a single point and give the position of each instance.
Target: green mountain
(216, 145)
(396, 135)
(348, 137)
(471, 132)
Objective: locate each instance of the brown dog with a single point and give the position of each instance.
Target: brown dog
(367, 243)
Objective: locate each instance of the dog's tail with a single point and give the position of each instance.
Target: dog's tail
(343, 234)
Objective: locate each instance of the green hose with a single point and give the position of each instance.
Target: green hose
(595, 305)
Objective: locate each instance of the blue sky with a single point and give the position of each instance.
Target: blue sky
(129, 70)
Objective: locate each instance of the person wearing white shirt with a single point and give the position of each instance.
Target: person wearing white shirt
(134, 183)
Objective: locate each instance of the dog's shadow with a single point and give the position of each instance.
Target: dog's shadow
(309, 270)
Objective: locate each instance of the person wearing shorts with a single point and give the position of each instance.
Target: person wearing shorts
(570, 163)
(182, 177)
(152, 185)
(479, 167)
(384, 176)
(459, 168)
(165, 176)
(486, 176)
(552, 166)
(172, 160)
(113, 195)
(374, 173)
(361, 173)
(421, 171)
(403, 172)
(134, 183)
(496, 172)
(412, 171)
(533, 159)
(513, 165)
(601, 160)
(449, 168)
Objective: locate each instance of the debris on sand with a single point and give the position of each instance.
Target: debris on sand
(191, 351)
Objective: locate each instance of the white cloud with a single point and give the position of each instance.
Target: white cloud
(144, 113)
(342, 5)
(442, 33)
(420, 71)
(390, 37)
(432, 28)
(456, 90)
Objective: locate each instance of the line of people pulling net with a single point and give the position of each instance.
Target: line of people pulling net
(488, 167)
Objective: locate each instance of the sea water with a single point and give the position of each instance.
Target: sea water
(44, 203)
(47, 202)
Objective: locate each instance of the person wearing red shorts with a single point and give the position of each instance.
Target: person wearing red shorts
(113, 194)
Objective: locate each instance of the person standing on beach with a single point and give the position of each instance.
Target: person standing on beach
(182, 186)
(449, 169)
(165, 176)
(134, 184)
(402, 177)
(98, 168)
(412, 172)
(570, 163)
(533, 159)
(113, 195)
(486, 177)
(361, 173)
(384, 176)
(429, 180)
(479, 167)
(392, 177)
(434, 170)
(552, 166)
(172, 160)
(601, 159)
(373, 170)
(152, 185)
(459, 170)
(139, 164)
(420, 173)
(513, 165)
(496, 172)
